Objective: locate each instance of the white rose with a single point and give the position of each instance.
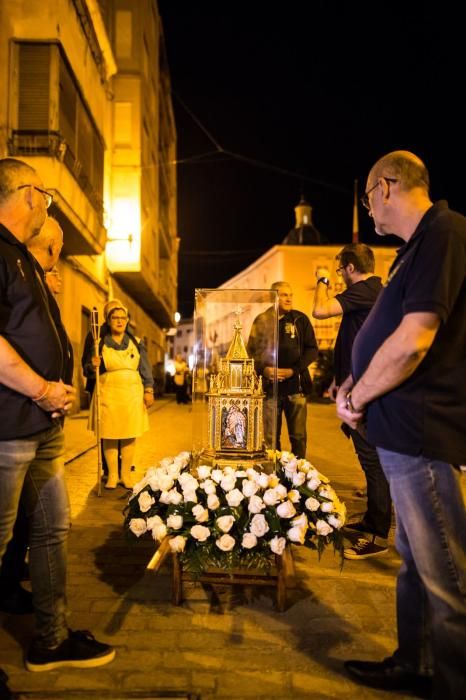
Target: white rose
(209, 486)
(159, 532)
(217, 475)
(228, 482)
(294, 496)
(145, 501)
(256, 504)
(328, 492)
(313, 483)
(249, 488)
(300, 521)
(234, 498)
(225, 543)
(174, 470)
(259, 525)
(184, 455)
(212, 501)
(177, 544)
(252, 474)
(291, 468)
(263, 481)
(326, 507)
(165, 462)
(165, 482)
(228, 471)
(203, 472)
(240, 474)
(298, 479)
(153, 521)
(225, 522)
(286, 509)
(187, 481)
(296, 534)
(189, 496)
(175, 497)
(153, 483)
(175, 521)
(164, 497)
(304, 466)
(335, 522)
(249, 540)
(270, 497)
(323, 528)
(138, 526)
(200, 533)
(281, 491)
(277, 545)
(200, 513)
(286, 456)
(312, 503)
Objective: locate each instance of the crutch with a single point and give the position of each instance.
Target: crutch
(96, 339)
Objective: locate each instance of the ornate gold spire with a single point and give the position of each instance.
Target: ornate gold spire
(237, 349)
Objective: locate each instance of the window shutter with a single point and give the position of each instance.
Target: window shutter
(34, 87)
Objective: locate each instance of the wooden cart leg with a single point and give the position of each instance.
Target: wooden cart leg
(281, 585)
(177, 582)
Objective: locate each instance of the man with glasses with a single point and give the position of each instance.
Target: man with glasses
(33, 399)
(409, 377)
(356, 267)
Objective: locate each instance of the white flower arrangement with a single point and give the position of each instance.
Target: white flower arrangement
(231, 517)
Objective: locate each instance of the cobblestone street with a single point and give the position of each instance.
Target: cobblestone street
(216, 645)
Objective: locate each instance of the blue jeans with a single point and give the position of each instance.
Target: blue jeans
(33, 469)
(294, 407)
(431, 585)
(378, 514)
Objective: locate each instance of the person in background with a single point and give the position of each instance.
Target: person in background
(54, 281)
(297, 349)
(180, 378)
(409, 378)
(126, 392)
(33, 397)
(356, 267)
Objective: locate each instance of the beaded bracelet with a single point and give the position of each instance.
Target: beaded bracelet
(43, 394)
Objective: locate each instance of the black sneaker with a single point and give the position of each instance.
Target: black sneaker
(364, 549)
(79, 650)
(389, 675)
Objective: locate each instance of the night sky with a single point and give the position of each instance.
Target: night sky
(306, 96)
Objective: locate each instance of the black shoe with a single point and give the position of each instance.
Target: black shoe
(79, 650)
(365, 549)
(389, 675)
(16, 602)
(5, 692)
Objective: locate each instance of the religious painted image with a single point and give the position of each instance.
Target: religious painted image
(234, 427)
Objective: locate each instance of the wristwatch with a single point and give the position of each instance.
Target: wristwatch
(324, 280)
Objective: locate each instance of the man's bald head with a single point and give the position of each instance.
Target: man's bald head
(403, 166)
(46, 246)
(23, 201)
(13, 174)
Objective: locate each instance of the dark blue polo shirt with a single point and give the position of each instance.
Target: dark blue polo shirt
(26, 323)
(427, 413)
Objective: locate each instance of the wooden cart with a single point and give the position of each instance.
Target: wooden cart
(281, 575)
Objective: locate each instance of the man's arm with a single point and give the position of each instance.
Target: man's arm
(17, 375)
(396, 360)
(324, 306)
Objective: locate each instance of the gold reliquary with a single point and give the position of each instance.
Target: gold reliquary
(235, 408)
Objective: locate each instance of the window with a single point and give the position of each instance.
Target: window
(124, 33)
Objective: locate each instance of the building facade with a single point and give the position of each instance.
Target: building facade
(85, 99)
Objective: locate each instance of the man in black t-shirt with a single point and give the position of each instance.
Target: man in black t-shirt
(356, 267)
(409, 376)
(297, 349)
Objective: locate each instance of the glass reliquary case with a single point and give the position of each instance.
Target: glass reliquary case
(234, 374)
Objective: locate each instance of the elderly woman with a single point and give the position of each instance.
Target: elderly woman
(126, 392)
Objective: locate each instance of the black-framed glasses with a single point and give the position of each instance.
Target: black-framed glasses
(47, 196)
(340, 269)
(365, 197)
